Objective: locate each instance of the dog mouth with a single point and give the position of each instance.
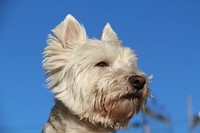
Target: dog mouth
(135, 99)
(132, 96)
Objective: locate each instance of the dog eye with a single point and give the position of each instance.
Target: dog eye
(102, 64)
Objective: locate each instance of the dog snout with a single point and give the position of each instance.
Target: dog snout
(137, 82)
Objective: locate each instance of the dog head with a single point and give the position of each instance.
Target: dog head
(97, 80)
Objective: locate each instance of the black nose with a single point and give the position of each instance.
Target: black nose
(137, 82)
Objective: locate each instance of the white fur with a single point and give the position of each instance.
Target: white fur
(84, 88)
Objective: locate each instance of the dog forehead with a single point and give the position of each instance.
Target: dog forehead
(108, 51)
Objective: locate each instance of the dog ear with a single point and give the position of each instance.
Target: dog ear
(108, 34)
(69, 31)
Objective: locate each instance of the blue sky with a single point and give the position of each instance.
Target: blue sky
(164, 34)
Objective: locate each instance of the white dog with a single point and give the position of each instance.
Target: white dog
(97, 84)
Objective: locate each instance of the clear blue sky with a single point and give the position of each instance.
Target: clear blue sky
(164, 33)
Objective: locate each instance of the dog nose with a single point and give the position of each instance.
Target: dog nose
(137, 82)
